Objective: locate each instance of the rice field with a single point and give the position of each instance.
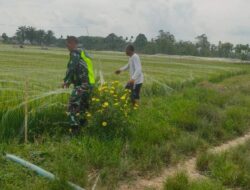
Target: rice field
(188, 105)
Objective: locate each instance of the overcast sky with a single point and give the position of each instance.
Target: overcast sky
(226, 20)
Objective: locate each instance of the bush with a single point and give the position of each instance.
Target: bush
(109, 111)
(182, 182)
(178, 182)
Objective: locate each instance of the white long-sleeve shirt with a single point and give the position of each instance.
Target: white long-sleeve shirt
(135, 69)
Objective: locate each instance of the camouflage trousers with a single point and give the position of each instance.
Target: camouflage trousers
(78, 104)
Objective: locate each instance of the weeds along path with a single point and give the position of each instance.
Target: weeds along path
(189, 166)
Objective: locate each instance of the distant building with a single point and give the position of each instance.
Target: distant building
(26, 42)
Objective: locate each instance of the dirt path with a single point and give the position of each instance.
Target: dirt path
(189, 166)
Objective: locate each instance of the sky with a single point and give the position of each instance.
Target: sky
(225, 20)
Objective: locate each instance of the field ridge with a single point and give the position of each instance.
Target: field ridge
(189, 166)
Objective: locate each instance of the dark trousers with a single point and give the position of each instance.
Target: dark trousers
(78, 103)
(135, 91)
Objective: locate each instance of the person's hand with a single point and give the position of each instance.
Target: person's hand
(65, 85)
(131, 82)
(117, 72)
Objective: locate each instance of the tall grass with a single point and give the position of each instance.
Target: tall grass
(161, 133)
(43, 110)
(230, 168)
(179, 115)
(182, 182)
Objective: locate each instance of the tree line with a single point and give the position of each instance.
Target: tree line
(163, 43)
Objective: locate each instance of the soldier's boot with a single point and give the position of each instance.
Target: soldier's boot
(75, 126)
(72, 120)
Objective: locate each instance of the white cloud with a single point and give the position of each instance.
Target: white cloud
(226, 20)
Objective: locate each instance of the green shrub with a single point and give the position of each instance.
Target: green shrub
(182, 182)
(109, 111)
(178, 182)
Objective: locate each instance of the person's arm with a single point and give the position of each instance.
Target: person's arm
(124, 68)
(71, 70)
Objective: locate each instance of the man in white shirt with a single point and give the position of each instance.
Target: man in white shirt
(136, 75)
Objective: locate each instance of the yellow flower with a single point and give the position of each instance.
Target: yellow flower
(115, 82)
(104, 123)
(116, 104)
(136, 105)
(112, 91)
(105, 104)
(97, 100)
(123, 97)
(102, 88)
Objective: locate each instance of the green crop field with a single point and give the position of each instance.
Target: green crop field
(188, 105)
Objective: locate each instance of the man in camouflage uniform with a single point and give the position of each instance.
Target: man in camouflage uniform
(78, 75)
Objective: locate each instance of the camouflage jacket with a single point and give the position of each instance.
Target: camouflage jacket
(77, 70)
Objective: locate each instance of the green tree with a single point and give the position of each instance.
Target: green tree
(40, 36)
(21, 34)
(185, 48)
(30, 33)
(113, 42)
(140, 42)
(49, 37)
(242, 51)
(5, 38)
(90, 42)
(150, 48)
(203, 45)
(225, 49)
(165, 42)
(240, 48)
(214, 50)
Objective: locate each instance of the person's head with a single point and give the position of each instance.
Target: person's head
(130, 50)
(71, 43)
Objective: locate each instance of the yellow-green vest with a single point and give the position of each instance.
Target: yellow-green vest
(91, 74)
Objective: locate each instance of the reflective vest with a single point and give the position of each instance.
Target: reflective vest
(89, 63)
